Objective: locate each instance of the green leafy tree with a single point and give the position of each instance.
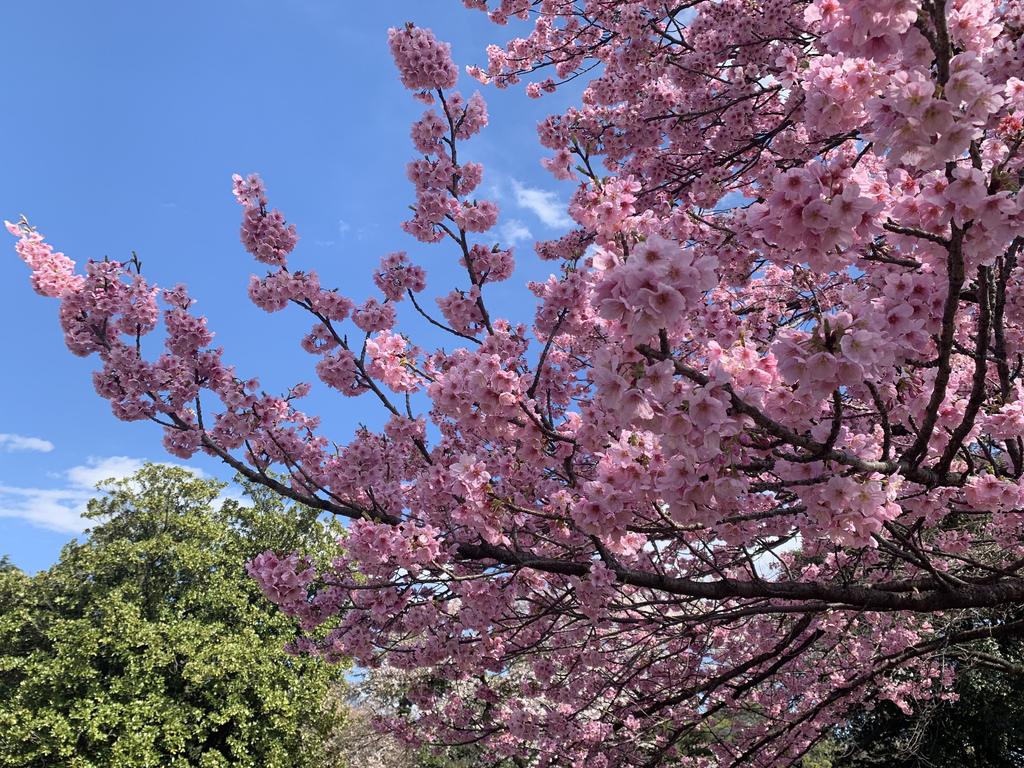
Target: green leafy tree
(149, 645)
(982, 728)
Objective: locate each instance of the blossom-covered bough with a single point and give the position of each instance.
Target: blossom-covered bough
(757, 456)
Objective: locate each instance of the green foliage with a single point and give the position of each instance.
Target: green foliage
(149, 646)
(821, 755)
(984, 728)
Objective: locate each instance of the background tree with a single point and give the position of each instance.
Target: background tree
(147, 644)
(379, 697)
(981, 727)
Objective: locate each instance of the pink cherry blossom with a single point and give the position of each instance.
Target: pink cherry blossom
(751, 441)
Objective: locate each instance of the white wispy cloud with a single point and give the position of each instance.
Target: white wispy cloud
(494, 190)
(96, 470)
(11, 442)
(347, 230)
(60, 508)
(543, 203)
(513, 232)
(54, 509)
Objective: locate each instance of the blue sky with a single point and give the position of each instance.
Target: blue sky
(125, 123)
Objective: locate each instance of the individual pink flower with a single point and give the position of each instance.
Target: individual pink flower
(968, 190)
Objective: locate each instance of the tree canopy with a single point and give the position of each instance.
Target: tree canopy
(148, 645)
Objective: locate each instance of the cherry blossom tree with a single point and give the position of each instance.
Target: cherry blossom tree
(756, 456)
